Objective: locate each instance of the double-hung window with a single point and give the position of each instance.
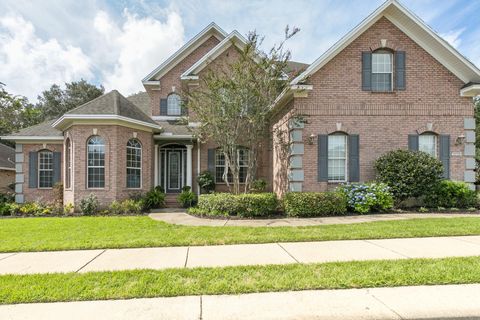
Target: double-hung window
(220, 164)
(382, 71)
(134, 164)
(337, 158)
(428, 143)
(174, 105)
(96, 162)
(45, 169)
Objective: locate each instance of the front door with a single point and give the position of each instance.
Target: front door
(174, 172)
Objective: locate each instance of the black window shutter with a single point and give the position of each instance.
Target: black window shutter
(322, 165)
(413, 142)
(354, 158)
(163, 107)
(57, 167)
(211, 161)
(33, 170)
(366, 71)
(445, 154)
(400, 82)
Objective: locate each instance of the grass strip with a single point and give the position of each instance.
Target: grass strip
(236, 280)
(49, 234)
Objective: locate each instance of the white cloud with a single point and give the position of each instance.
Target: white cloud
(136, 46)
(453, 37)
(29, 64)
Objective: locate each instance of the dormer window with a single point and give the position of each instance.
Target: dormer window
(174, 105)
(382, 71)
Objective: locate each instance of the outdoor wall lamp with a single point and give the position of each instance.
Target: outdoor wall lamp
(460, 140)
(311, 139)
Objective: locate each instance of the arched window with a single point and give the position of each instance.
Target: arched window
(382, 71)
(45, 169)
(220, 164)
(68, 164)
(134, 164)
(95, 162)
(427, 143)
(174, 105)
(337, 157)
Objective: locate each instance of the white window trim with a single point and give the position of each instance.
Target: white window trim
(338, 158)
(135, 168)
(88, 166)
(390, 73)
(38, 169)
(68, 164)
(220, 166)
(435, 143)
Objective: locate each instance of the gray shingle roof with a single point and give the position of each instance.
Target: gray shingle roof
(112, 103)
(174, 128)
(7, 157)
(41, 129)
(142, 101)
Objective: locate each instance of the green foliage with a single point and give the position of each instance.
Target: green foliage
(9, 208)
(314, 204)
(187, 198)
(154, 198)
(206, 182)
(89, 204)
(451, 194)
(408, 173)
(367, 197)
(16, 112)
(56, 101)
(7, 197)
(258, 186)
(241, 205)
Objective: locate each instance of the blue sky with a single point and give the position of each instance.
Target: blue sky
(116, 43)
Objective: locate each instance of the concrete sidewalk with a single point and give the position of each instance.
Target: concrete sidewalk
(236, 255)
(180, 217)
(421, 302)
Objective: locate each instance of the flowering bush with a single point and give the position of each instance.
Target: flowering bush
(369, 197)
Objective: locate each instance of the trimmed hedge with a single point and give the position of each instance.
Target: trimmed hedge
(314, 204)
(241, 205)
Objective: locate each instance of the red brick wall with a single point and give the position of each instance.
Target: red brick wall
(383, 120)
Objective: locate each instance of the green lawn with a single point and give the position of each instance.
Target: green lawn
(235, 280)
(42, 234)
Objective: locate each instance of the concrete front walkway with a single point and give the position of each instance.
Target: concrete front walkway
(421, 302)
(180, 217)
(236, 255)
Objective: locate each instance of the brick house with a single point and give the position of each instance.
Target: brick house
(390, 83)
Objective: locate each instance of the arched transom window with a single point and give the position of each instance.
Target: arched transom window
(134, 164)
(174, 106)
(96, 162)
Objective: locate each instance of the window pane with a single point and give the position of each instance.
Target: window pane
(381, 81)
(96, 162)
(134, 163)
(174, 105)
(45, 169)
(337, 156)
(427, 143)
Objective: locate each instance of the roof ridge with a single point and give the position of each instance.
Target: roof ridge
(88, 102)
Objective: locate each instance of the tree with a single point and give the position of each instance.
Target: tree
(56, 101)
(16, 112)
(233, 103)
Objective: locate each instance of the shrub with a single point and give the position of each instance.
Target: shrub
(259, 185)
(369, 197)
(408, 173)
(155, 198)
(187, 198)
(128, 206)
(115, 207)
(89, 204)
(206, 182)
(451, 194)
(314, 204)
(242, 205)
(9, 208)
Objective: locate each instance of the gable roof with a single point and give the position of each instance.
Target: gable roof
(233, 38)
(142, 101)
(110, 106)
(413, 27)
(211, 30)
(7, 157)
